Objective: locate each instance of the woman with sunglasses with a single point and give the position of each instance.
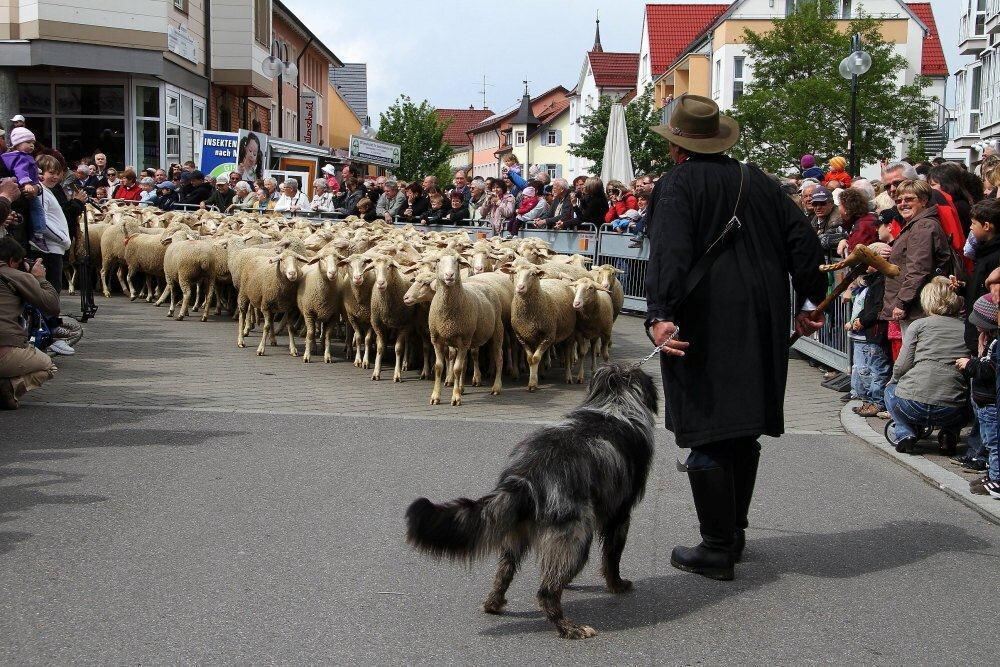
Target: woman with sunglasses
(921, 251)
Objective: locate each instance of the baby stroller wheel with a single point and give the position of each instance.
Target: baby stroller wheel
(888, 430)
(947, 442)
(925, 432)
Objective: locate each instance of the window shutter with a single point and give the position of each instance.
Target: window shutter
(558, 171)
(544, 139)
(558, 138)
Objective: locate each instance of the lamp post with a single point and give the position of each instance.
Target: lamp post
(279, 67)
(851, 68)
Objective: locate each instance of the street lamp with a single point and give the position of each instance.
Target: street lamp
(851, 68)
(277, 67)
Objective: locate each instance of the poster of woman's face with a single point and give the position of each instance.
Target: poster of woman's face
(251, 156)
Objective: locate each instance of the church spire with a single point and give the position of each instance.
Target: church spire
(597, 36)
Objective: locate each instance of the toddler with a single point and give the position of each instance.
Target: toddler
(148, 187)
(982, 375)
(437, 212)
(20, 161)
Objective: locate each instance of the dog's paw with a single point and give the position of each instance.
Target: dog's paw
(573, 631)
(494, 606)
(620, 586)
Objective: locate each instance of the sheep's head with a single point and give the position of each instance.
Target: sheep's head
(606, 275)
(290, 264)
(356, 266)
(585, 291)
(422, 289)
(449, 268)
(384, 267)
(526, 275)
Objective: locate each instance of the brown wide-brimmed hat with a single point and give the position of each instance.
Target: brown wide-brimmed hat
(697, 126)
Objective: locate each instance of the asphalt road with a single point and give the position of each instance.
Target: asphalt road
(135, 536)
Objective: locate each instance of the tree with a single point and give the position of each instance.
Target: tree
(798, 103)
(420, 135)
(649, 150)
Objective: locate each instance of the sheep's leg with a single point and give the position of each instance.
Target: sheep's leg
(379, 351)
(197, 297)
(128, 281)
(164, 295)
(449, 378)
(208, 300)
(477, 375)
(534, 360)
(497, 350)
(606, 348)
(266, 331)
(310, 336)
(241, 308)
(120, 272)
(425, 371)
(150, 288)
(440, 354)
(185, 300)
(71, 278)
(292, 350)
(461, 355)
(327, 333)
(365, 361)
(272, 334)
(569, 353)
(402, 343)
(585, 348)
(104, 282)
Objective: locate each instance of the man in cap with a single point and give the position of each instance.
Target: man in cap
(718, 303)
(166, 196)
(826, 217)
(223, 195)
(17, 121)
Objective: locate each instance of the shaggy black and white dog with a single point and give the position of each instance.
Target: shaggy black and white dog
(564, 483)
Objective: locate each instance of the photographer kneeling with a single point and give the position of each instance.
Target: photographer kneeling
(23, 367)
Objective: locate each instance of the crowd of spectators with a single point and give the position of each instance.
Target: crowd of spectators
(924, 342)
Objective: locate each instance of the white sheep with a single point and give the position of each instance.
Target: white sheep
(542, 316)
(594, 321)
(269, 285)
(463, 318)
(606, 276)
(357, 304)
(318, 299)
(389, 312)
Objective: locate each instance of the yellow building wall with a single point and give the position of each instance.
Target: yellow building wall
(699, 75)
(731, 32)
(341, 122)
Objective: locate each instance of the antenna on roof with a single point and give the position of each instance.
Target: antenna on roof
(482, 91)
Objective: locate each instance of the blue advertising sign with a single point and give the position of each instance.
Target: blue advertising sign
(218, 152)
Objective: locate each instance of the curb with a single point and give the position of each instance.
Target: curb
(953, 485)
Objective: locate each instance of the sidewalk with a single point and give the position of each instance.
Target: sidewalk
(934, 468)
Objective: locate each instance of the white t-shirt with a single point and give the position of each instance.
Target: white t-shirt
(299, 201)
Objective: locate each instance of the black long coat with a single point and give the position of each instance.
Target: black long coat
(731, 383)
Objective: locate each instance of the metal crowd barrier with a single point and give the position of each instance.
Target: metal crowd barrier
(581, 241)
(478, 231)
(613, 248)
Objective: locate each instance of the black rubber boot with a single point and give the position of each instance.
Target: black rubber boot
(712, 489)
(744, 479)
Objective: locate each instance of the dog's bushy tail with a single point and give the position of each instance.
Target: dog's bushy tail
(464, 529)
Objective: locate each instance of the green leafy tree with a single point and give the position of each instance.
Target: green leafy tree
(420, 135)
(649, 150)
(798, 103)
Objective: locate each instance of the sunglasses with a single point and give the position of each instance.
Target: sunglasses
(906, 200)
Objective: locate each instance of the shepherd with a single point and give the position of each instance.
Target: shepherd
(724, 240)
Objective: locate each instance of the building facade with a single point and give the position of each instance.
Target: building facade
(141, 80)
(716, 62)
(458, 123)
(602, 74)
(490, 137)
(977, 98)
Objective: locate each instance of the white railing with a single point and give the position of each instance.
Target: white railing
(992, 9)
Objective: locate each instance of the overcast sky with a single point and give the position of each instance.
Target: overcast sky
(440, 51)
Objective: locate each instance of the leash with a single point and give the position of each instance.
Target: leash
(658, 348)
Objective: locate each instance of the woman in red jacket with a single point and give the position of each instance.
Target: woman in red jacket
(129, 190)
(620, 200)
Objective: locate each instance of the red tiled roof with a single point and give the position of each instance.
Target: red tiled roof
(537, 104)
(614, 70)
(672, 28)
(461, 121)
(553, 110)
(933, 62)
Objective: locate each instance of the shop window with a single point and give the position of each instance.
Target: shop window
(147, 126)
(80, 137)
(72, 100)
(35, 98)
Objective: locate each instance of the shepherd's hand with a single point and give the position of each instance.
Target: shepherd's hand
(663, 337)
(808, 323)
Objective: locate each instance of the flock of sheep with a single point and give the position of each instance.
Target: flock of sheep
(512, 300)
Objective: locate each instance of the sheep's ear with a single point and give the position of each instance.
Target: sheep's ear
(603, 289)
(463, 261)
(343, 262)
(274, 260)
(507, 268)
(617, 270)
(302, 258)
(314, 260)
